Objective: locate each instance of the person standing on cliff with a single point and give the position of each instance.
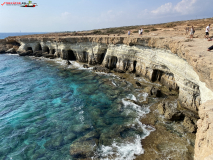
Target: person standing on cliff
(128, 33)
(187, 30)
(207, 31)
(192, 32)
(139, 32)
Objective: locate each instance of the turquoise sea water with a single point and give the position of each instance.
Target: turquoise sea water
(45, 107)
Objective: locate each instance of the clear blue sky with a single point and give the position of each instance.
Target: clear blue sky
(70, 15)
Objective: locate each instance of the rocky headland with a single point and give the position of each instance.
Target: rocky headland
(181, 65)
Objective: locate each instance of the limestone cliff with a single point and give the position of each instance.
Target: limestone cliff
(166, 60)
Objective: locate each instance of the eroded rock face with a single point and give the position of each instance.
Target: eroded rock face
(204, 135)
(172, 112)
(154, 64)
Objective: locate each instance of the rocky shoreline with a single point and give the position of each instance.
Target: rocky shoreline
(167, 61)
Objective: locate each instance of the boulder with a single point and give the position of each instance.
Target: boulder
(156, 92)
(11, 50)
(85, 66)
(189, 125)
(68, 62)
(38, 53)
(51, 56)
(26, 53)
(138, 83)
(2, 51)
(85, 146)
(170, 111)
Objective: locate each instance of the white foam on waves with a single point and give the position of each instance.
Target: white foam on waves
(127, 150)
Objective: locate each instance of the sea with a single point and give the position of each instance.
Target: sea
(49, 110)
(4, 35)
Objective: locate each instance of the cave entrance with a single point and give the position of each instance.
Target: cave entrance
(85, 56)
(53, 51)
(29, 49)
(71, 55)
(156, 75)
(112, 62)
(46, 49)
(102, 56)
(38, 47)
(134, 65)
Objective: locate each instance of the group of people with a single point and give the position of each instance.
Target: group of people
(193, 31)
(206, 35)
(140, 32)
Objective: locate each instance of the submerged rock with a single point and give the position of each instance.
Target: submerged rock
(54, 143)
(85, 146)
(85, 66)
(69, 137)
(26, 53)
(80, 128)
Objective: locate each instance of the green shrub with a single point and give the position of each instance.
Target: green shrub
(146, 30)
(135, 31)
(170, 25)
(154, 29)
(96, 32)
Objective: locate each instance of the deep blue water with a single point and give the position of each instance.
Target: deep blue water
(4, 35)
(45, 107)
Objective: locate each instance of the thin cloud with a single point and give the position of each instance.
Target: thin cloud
(184, 7)
(164, 9)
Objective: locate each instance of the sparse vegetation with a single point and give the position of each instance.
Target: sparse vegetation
(170, 25)
(97, 32)
(146, 30)
(154, 29)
